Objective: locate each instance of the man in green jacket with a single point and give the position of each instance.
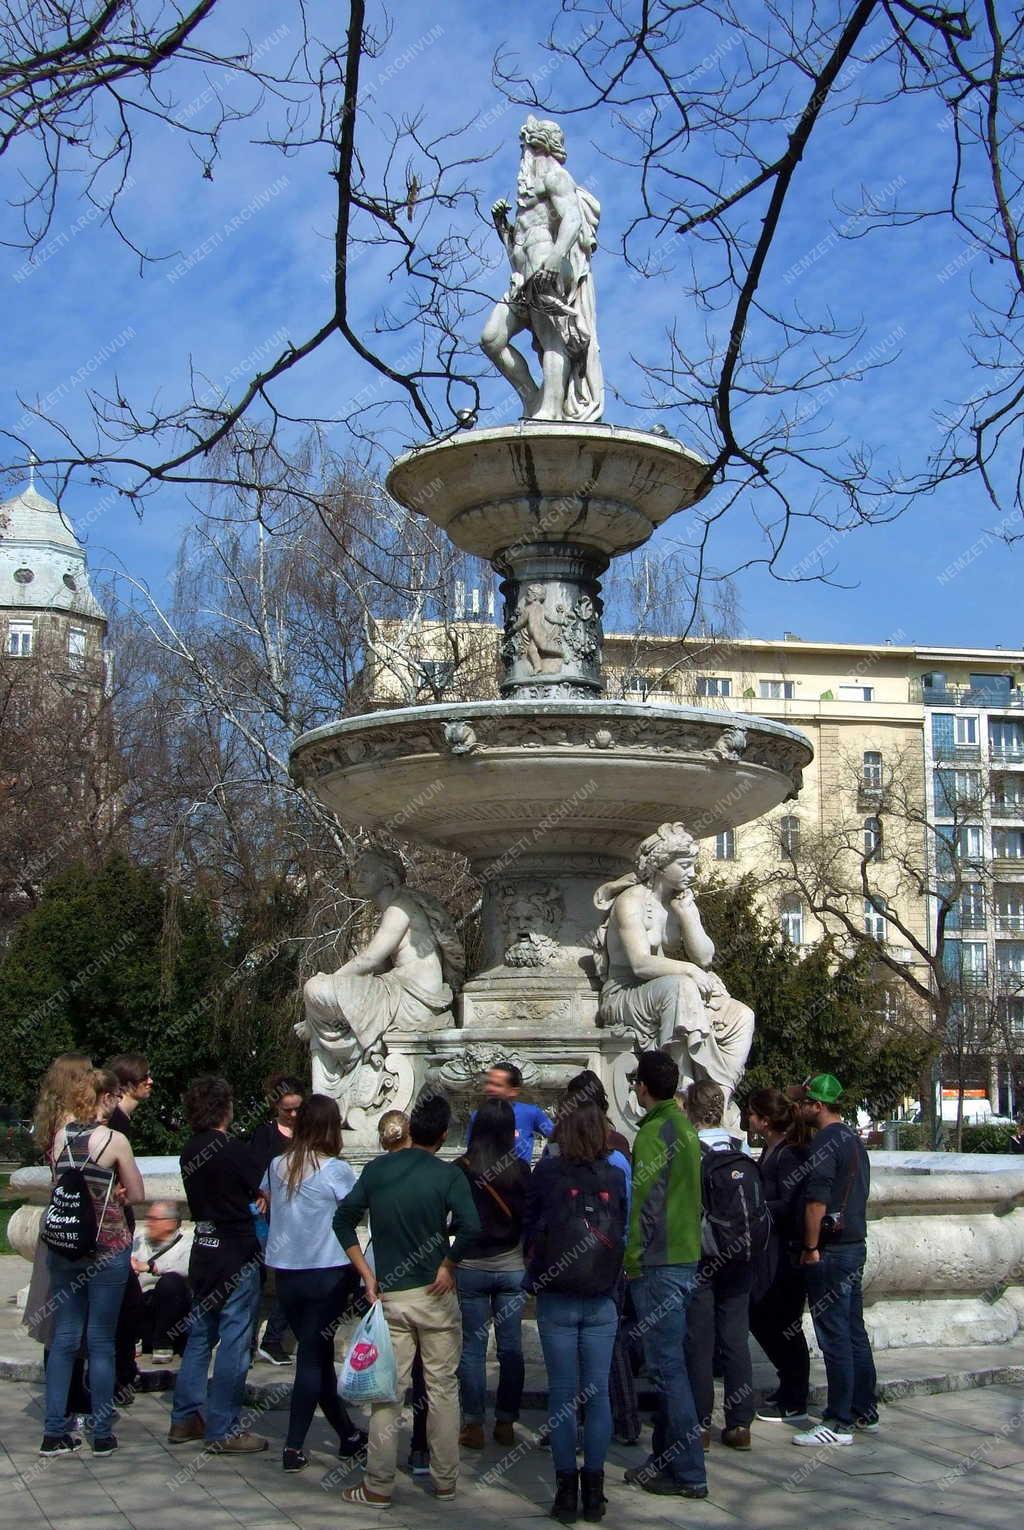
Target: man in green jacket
(410, 1196)
(662, 1255)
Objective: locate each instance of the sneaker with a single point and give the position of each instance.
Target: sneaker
(825, 1433)
(353, 1444)
(273, 1354)
(163, 1356)
(868, 1424)
(419, 1463)
(294, 1460)
(191, 1428)
(664, 1486)
(775, 1413)
(243, 1443)
(444, 1495)
(60, 1445)
(737, 1437)
(105, 1445)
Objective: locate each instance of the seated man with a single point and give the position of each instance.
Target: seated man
(160, 1256)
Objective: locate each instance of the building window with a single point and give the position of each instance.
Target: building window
(970, 842)
(791, 920)
(856, 693)
(874, 917)
(76, 647)
(634, 684)
(1007, 739)
(1010, 1016)
(965, 732)
(1010, 910)
(70, 582)
(1008, 844)
(974, 959)
(957, 791)
(1010, 962)
(789, 836)
(713, 685)
(776, 690)
(19, 639)
(872, 839)
(871, 770)
(991, 690)
(725, 846)
(436, 674)
(970, 907)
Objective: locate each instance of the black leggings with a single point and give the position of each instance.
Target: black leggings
(313, 1302)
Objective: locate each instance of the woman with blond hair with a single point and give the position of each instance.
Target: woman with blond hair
(86, 1293)
(316, 1283)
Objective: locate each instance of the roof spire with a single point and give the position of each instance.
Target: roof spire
(32, 460)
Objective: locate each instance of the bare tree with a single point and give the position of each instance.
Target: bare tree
(904, 882)
(728, 106)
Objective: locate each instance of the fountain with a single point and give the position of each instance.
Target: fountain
(548, 790)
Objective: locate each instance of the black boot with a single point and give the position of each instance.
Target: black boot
(566, 1495)
(593, 1501)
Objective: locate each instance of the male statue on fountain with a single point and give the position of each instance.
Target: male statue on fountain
(674, 1002)
(402, 979)
(551, 294)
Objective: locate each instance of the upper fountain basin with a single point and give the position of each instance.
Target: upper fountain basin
(572, 777)
(602, 487)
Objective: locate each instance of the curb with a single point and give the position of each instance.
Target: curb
(277, 1393)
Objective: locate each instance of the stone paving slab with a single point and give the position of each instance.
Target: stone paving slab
(893, 1479)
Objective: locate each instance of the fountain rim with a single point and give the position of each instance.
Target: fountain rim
(453, 711)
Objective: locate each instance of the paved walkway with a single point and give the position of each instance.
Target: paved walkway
(954, 1460)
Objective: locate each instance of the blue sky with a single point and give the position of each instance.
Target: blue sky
(85, 312)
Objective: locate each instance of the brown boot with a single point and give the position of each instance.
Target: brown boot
(705, 1440)
(504, 1432)
(472, 1437)
(737, 1438)
(190, 1428)
(241, 1444)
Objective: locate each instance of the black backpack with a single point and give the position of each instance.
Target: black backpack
(735, 1223)
(70, 1225)
(581, 1248)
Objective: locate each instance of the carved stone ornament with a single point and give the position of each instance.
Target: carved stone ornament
(638, 729)
(459, 738)
(530, 912)
(475, 1059)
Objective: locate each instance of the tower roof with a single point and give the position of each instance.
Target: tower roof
(42, 562)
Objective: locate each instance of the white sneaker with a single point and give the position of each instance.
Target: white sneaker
(825, 1434)
(163, 1356)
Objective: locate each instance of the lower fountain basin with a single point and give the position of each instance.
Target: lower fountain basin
(568, 778)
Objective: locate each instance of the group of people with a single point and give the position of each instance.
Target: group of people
(664, 1256)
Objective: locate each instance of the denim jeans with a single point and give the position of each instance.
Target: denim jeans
(486, 1296)
(312, 1304)
(661, 1296)
(577, 1335)
(86, 1294)
(837, 1310)
(230, 1328)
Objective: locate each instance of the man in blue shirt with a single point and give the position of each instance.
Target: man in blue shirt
(504, 1082)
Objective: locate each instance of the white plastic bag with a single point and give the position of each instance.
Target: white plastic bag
(368, 1372)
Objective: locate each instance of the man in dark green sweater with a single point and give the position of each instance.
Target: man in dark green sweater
(411, 1196)
(662, 1255)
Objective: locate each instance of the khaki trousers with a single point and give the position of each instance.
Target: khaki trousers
(434, 1324)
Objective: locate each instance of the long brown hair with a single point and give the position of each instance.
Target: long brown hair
(65, 1091)
(317, 1134)
(582, 1130)
(782, 1114)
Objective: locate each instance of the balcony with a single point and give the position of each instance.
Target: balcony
(1009, 923)
(1007, 754)
(1009, 980)
(964, 696)
(1008, 807)
(961, 754)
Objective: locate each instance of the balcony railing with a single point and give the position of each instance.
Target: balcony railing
(1008, 807)
(960, 752)
(1010, 980)
(1009, 924)
(964, 696)
(1007, 754)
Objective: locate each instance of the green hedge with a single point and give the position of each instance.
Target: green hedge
(976, 1139)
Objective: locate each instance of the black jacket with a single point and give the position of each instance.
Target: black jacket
(782, 1178)
(500, 1203)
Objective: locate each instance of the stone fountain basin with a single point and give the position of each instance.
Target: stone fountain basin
(572, 777)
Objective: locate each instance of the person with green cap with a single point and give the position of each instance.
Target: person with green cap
(836, 1187)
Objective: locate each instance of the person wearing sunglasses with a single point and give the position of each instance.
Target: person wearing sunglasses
(133, 1074)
